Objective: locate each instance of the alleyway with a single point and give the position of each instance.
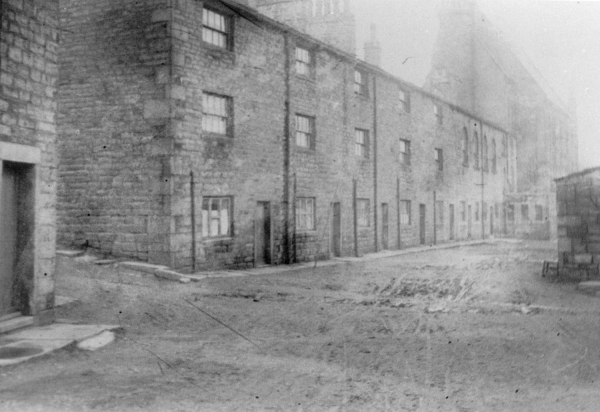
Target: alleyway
(466, 329)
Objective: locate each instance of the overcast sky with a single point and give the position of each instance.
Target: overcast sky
(562, 39)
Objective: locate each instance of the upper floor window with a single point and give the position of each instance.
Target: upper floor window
(304, 62)
(493, 156)
(361, 144)
(305, 213)
(216, 29)
(476, 151)
(439, 115)
(465, 147)
(305, 131)
(404, 97)
(362, 212)
(484, 154)
(360, 82)
(216, 217)
(439, 158)
(216, 114)
(405, 151)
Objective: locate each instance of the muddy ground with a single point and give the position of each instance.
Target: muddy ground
(465, 329)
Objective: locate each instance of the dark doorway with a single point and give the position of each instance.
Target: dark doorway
(451, 222)
(385, 228)
(470, 222)
(336, 229)
(263, 233)
(422, 220)
(16, 232)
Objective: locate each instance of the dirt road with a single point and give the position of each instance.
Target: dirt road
(466, 329)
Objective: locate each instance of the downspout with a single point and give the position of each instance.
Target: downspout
(355, 217)
(482, 181)
(286, 155)
(434, 217)
(376, 205)
(398, 212)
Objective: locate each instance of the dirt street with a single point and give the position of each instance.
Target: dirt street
(464, 329)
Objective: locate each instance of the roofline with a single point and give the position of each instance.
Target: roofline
(246, 12)
(581, 173)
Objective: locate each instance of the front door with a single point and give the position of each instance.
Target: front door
(422, 216)
(470, 222)
(336, 229)
(263, 233)
(451, 222)
(8, 236)
(384, 226)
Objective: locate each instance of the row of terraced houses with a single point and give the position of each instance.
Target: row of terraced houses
(206, 134)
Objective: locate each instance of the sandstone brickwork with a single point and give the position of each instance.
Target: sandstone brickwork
(28, 81)
(131, 117)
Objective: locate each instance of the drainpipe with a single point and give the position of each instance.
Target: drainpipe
(376, 206)
(355, 218)
(193, 206)
(482, 181)
(286, 155)
(398, 211)
(434, 218)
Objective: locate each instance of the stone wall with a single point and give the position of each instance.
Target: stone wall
(28, 79)
(258, 159)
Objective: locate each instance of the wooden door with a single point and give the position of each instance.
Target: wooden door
(8, 236)
(336, 230)
(262, 237)
(422, 220)
(385, 229)
(451, 222)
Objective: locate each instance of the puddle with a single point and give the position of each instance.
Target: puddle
(13, 352)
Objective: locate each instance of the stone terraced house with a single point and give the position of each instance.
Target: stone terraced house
(28, 161)
(204, 134)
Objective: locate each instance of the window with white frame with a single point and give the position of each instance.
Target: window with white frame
(361, 143)
(404, 97)
(405, 212)
(305, 131)
(362, 212)
(360, 82)
(405, 151)
(304, 62)
(305, 213)
(216, 217)
(439, 159)
(216, 114)
(216, 29)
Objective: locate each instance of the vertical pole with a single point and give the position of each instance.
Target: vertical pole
(434, 217)
(398, 211)
(286, 156)
(482, 181)
(355, 218)
(375, 199)
(193, 206)
(294, 228)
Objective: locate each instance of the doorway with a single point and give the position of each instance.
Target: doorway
(422, 220)
(451, 222)
(491, 220)
(336, 229)
(16, 236)
(384, 226)
(470, 222)
(263, 233)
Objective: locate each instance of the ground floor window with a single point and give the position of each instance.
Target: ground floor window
(525, 212)
(405, 215)
(439, 211)
(305, 213)
(362, 212)
(463, 211)
(510, 213)
(539, 213)
(216, 217)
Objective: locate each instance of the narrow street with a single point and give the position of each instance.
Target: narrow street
(465, 329)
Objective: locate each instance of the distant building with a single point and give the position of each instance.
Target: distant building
(28, 74)
(474, 68)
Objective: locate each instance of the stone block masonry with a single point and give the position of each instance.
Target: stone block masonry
(28, 153)
(291, 160)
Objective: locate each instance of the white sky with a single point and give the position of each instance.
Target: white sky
(562, 38)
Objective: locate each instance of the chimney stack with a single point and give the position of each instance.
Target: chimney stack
(373, 48)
